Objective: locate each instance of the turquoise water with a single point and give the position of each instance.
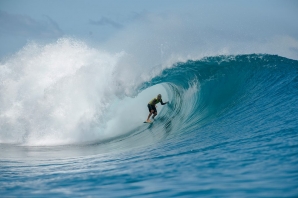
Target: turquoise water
(230, 130)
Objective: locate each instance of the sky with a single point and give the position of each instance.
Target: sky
(154, 27)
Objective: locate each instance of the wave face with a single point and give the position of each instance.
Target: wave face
(252, 92)
(231, 123)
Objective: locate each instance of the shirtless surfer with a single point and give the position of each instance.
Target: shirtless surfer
(152, 106)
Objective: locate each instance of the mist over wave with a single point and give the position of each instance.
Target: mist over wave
(57, 93)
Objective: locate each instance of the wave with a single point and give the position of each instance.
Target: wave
(68, 93)
(232, 89)
(224, 95)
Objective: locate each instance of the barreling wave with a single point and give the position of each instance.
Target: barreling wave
(235, 91)
(226, 94)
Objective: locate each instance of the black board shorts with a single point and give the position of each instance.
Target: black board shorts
(152, 107)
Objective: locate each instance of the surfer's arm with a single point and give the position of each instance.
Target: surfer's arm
(163, 103)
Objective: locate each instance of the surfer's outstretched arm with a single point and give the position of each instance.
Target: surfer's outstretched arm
(163, 103)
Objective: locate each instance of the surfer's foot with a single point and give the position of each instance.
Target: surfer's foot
(148, 121)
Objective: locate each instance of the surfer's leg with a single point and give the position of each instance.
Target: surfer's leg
(148, 119)
(151, 110)
(150, 113)
(155, 113)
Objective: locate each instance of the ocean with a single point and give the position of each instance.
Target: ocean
(71, 125)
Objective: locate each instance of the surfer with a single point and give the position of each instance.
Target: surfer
(152, 106)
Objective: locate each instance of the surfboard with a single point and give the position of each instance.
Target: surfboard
(148, 122)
